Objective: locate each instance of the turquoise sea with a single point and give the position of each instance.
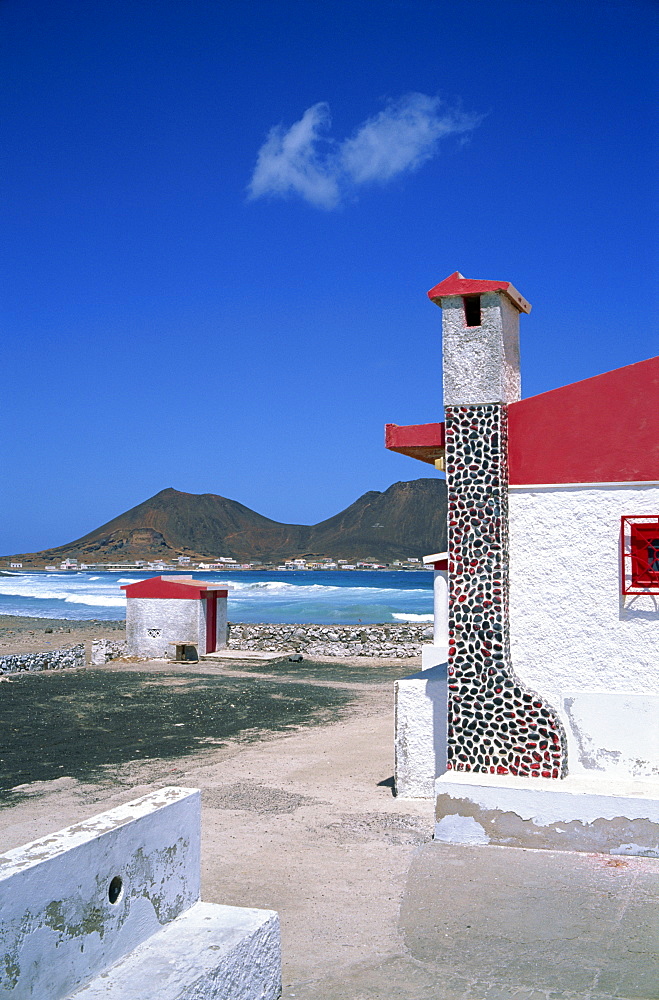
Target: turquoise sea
(326, 597)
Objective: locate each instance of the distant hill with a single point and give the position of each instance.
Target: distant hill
(408, 519)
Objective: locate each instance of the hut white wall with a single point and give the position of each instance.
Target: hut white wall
(592, 653)
(173, 619)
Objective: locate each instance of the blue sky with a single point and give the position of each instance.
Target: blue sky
(221, 221)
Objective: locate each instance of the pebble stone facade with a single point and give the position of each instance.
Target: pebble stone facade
(495, 723)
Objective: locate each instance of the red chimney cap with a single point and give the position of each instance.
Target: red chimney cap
(457, 284)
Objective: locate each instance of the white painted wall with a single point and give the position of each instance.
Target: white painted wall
(574, 638)
(61, 931)
(420, 731)
(58, 927)
(177, 621)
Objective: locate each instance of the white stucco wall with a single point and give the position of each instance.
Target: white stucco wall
(175, 620)
(574, 638)
(420, 731)
(481, 363)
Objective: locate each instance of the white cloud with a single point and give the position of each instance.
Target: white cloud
(303, 161)
(291, 162)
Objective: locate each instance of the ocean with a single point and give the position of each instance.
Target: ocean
(290, 596)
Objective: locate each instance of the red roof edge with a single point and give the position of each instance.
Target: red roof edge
(425, 442)
(157, 587)
(457, 284)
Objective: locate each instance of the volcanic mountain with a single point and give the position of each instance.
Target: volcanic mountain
(408, 519)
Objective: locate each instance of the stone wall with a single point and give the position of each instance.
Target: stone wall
(54, 659)
(402, 640)
(107, 649)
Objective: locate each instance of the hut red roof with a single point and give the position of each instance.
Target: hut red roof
(182, 588)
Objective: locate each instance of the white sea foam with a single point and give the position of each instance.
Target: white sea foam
(413, 618)
(278, 587)
(95, 600)
(275, 598)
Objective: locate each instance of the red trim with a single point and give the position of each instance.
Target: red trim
(601, 430)
(442, 564)
(211, 621)
(157, 587)
(639, 548)
(425, 442)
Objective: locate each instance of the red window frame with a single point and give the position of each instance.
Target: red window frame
(637, 534)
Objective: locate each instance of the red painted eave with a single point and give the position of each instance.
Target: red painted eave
(457, 284)
(424, 442)
(156, 587)
(601, 430)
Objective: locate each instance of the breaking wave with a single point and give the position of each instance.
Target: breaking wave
(334, 597)
(412, 618)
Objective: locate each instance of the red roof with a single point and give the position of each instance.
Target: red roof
(422, 441)
(603, 429)
(181, 588)
(457, 284)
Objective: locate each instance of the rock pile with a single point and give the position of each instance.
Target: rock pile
(54, 659)
(403, 640)
(104, 650)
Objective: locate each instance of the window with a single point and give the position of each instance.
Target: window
(472, 305)
(640, 555)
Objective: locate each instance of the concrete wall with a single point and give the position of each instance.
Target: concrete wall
(59, 926)
(592, 653)
(152, 624)
(481, 363)
(420, 732)
(576, 814)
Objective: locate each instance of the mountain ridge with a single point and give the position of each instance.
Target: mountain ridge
(407, 519)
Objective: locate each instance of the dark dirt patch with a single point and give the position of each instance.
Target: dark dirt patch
(78, 723)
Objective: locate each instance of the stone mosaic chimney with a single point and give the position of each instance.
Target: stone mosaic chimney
(495, 723)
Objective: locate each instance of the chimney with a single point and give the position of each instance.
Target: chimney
(480, 328)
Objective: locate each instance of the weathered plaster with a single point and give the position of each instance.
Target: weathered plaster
(481, 363)
(576, 814)
(65, 933)
(420, 731)
(54, 892)
(211, 952)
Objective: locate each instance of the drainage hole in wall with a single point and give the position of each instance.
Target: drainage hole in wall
(115, 889)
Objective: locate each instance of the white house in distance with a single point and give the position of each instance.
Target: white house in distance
(553, 580)
(165, 611)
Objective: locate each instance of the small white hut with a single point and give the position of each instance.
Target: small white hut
(164, 612)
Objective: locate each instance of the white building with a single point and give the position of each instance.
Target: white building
(168, 611)
(553, 563)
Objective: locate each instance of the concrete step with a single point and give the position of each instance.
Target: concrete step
(210, 952)
(246, 655)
